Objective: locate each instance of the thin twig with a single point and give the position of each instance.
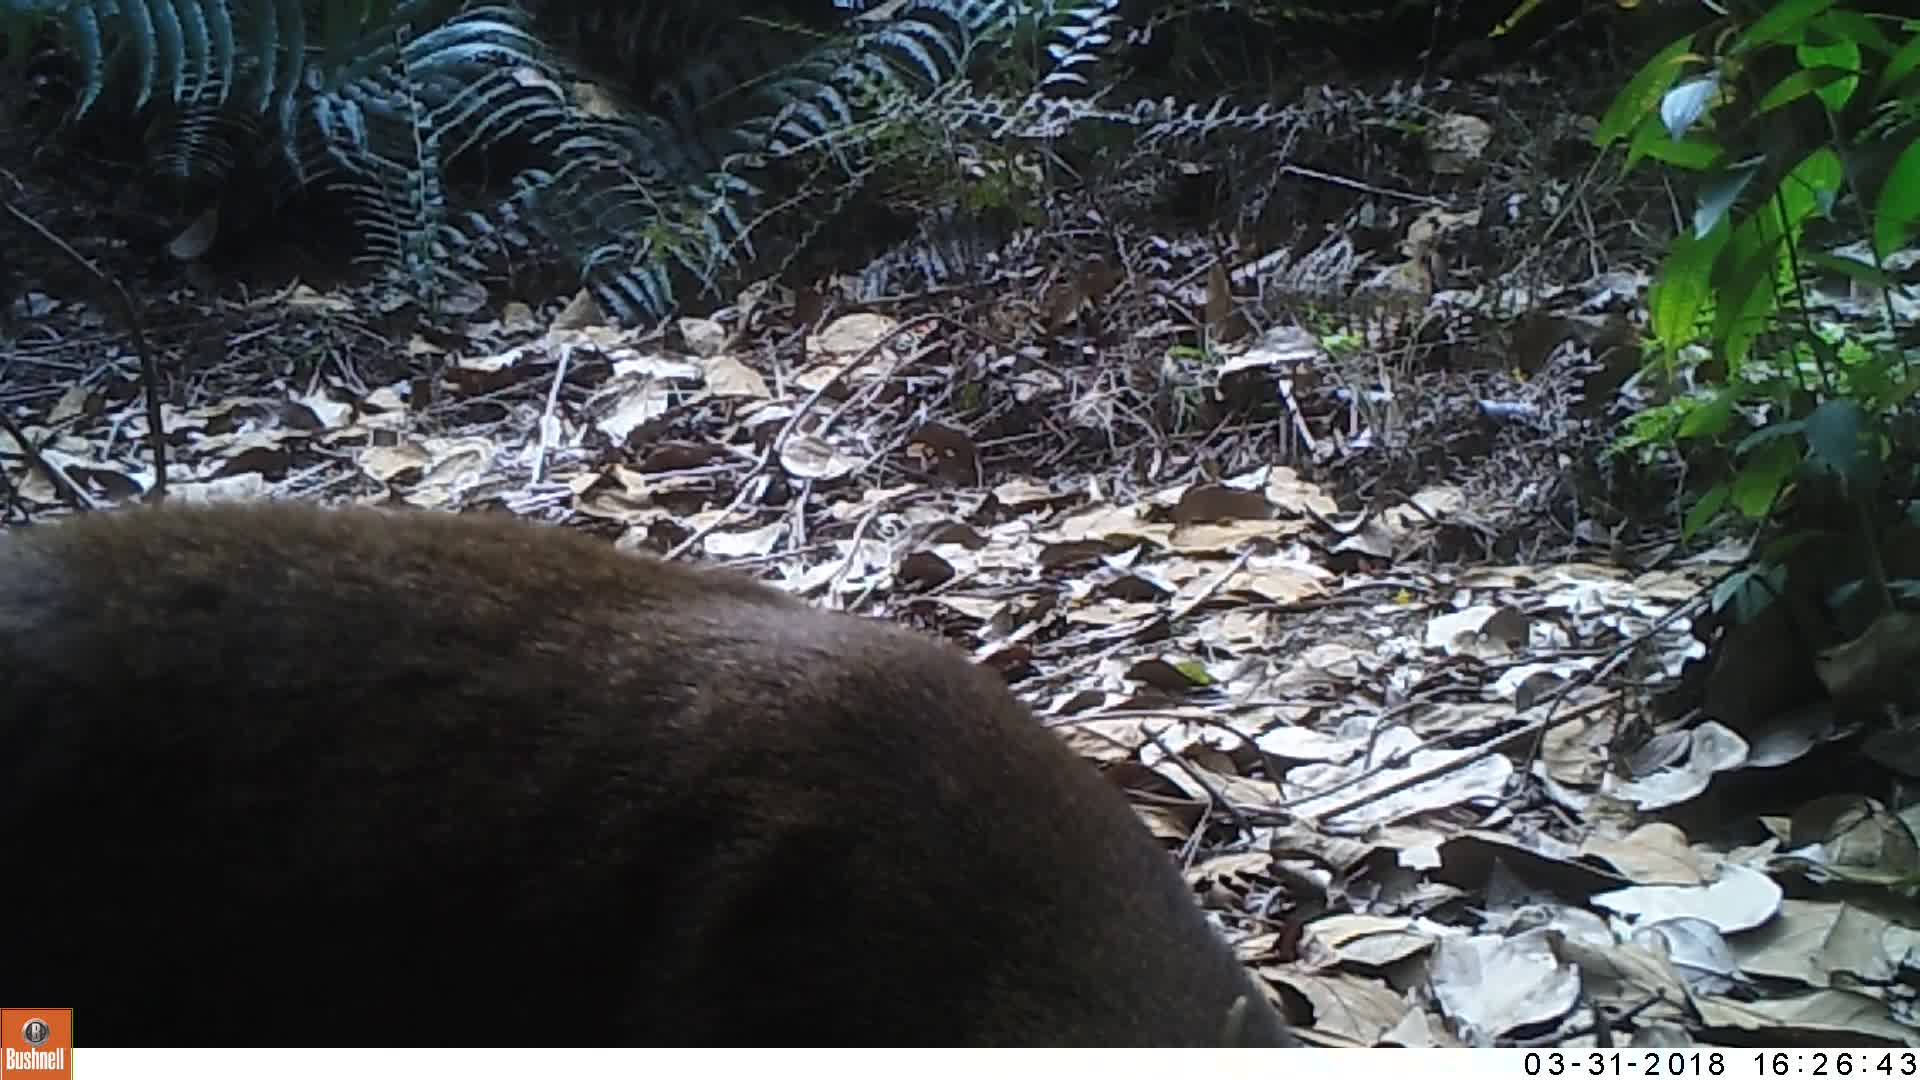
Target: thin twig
(149, 368)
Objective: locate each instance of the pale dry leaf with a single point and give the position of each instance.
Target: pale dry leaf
(1497, 578)
(1489, 986)
(1101, 521)
(1300, 744)
(1578, 752)
(852, 334)
(1615, 973)
(984, 610)
(623, 404)
(384, 463)
(326, 412)
(1467, 633)
(1442, 720)
(239, 487)
(1275, 579)
(810, 457)
(1232, 630)
(1697, 951)
(1788, 735)
(232, 443)
(1737, 899)
(1674, 585)
(1326, 663)
(581, 312)
(1280, 349)
(1712, 748)
(1226, 537)
(386, 399)
(744, 543)
(595, 101)
(1165, 823)
(727, 377)
(304, 298)
(1112, 612)
(71, 404)
(622, 494)
(1440, 502)
(1467, 781)
(1653, 854)
(1417, 1030)
(1455, 143)
(862, 503)
(1858, 840)
(1373, 540)
(1238, 790)
(517, 317)
(630, 363)
(1372, 940)
(1021, 493)
(1285, 490)
(1809, 1016)
(1354, 1007)
(532, 77)
(706, 337)
(1106, 740)
(34, 486)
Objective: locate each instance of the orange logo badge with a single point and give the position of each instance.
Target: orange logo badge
(36, 1044)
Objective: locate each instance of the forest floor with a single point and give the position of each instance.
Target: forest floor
(1281, 492)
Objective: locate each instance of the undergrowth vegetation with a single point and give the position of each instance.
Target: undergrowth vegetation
(1799, 123)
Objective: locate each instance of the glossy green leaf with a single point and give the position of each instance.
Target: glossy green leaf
(1902, 64)
(1696, 154)
(1642, 93)
(1855, 269)
(1785, 21)
(1681, 290)
(1785, 429)
(1803, 82)
(1711, 418)
(1842, 60)
(1896, 212)
(1762, 475)
(1843, 442)
(1857, 27)
(1703, 511)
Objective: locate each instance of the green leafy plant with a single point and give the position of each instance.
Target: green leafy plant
(1801, 119)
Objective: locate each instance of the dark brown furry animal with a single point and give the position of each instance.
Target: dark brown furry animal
(298, 776)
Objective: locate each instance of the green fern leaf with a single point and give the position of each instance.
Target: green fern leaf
(220, 28)
(83, 26)
(169, 47)
(141, 40)
(192, 20)
(265, 47)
